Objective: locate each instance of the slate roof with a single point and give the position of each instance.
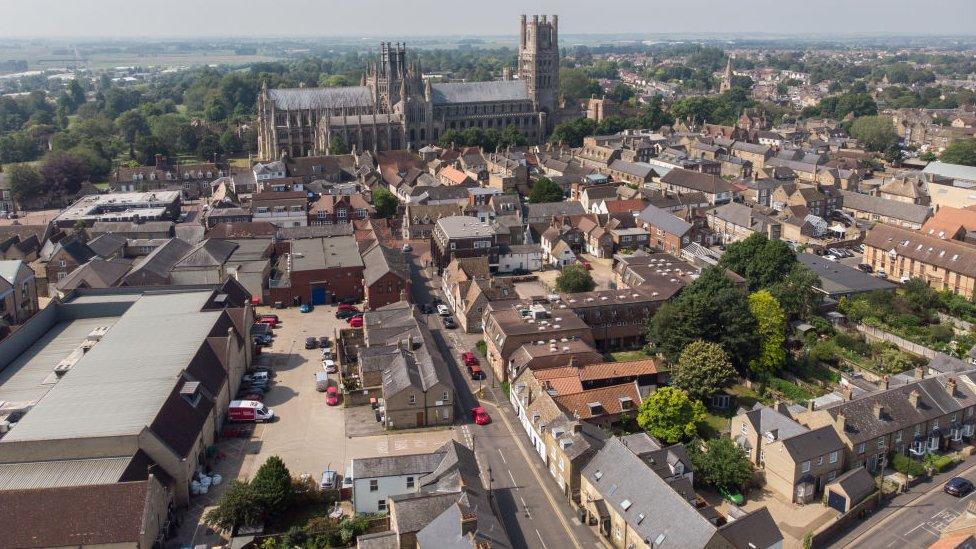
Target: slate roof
(321, 98)
(837, 279)
(857, 483)
(946, 254)
(755, 530)
(107, 244)
(813, 443)
(391, 466)
(97, 273)
(664, 220)
(158, 263)
(380, 260)
(636, 169)
(209, 253)
(697, 181)
(765, 419)
(550, 209)
(903, 211)
(479, 92)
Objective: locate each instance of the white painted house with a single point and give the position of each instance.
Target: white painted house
(374, 480)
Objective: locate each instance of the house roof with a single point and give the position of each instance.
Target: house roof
(392, 466)
(812, 443)
(696, 181)
(857, 483)
(592, 403)
(904, 211)
(550, 209)
(380, 260)
(462, 226)
(664, 220)
(951, 171)
(97, 273)
(107, 244)
(757, 529)
(947, 254)
(837, 279)
(74, 515)
(209, 253)
(949, 221)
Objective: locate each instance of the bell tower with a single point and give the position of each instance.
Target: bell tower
(538, 61)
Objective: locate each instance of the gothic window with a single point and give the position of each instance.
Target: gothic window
(413, 134)
(423, 134)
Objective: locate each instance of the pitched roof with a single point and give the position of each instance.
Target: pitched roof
(209, 253)
(812, 443)
(949, 221)
(391, 466)
(951, 171)
(947, 254)
(97, 273)
(664, 220)
(697, 181)
(107, 244)
(549, 209)
(904, 211)
(380, 260)
(321, 98)
(592, 403)
(756, 529)
(480, 92)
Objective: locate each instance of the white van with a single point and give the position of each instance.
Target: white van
(321, 381)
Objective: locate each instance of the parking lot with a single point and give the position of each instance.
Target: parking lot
(309, 435)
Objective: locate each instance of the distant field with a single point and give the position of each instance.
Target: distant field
(40, 57)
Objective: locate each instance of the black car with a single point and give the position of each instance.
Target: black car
(449, 323)
(350, 300)
(343, 314)
(426, 308)
(311, 343)
(958, 486)
(866, 268)
(324, 342)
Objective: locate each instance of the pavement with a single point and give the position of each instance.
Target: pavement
(535, 513)
(915, 518)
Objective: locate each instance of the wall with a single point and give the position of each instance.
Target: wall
(388, 289)
(366, 501)
(158, 500)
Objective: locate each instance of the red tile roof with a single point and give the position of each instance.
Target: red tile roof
(609, 398)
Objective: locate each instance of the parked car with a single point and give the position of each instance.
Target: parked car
(306, 308)
(330, 366)
(268, 321)
(406, 248)
(330, 480)
(343, 314)
(250, 395)
(327, 354)
(443, 310)
(469, 358)
(357, 315)
(311, 343)
(866, 268)
(322, 381)
(332, 395)
(480, 416)
(475, 371)
(263, 340)
(324, 342)
(586, 265)
(830, 257)
(347, 307)
(958, 486)
(880, 273)
(426, 308)
(449, 322)
(249, 410)
(356, 322)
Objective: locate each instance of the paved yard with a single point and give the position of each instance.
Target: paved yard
(793, 520)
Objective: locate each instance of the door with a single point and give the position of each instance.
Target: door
(836, 501)
(420, 419)
(318, 296)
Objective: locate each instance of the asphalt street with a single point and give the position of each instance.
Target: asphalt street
(535, 514)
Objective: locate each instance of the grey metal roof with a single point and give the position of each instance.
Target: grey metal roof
(392, 466)
(321, 98)
(209, 253)
(905, 211)
(325, 253)
(837, 279)
(636, 169)
(666, 514)
(119, 386)
(665, 220)
(56, 473)
(951, 171)
(480, 92)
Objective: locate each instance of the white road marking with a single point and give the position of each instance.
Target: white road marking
(542, 541)
(515, 484)
(505, 461)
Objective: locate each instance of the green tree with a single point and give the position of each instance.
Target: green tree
(272, 485)
(230, 143)
(771, 329)
(574, 85)
(721, 464)
(385, 202)
(703, 369)
(712, 309)
(545, 190)
(25, 181)
(671, 415)
(338, 146)
(797, 294)
(511, 136)
(760, 260)
(574, 279)
(131, 125)
(62, 174)
(893, 361)
(238, 506)
(208, 147)
(572, 133)
(876, 133)
(960, 151)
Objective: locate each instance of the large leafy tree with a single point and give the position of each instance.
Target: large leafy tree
(545, 190)
(25, 182)
(702, 370)
(796, 292)
(239, 506)
(712, 309)
(771, 328)
(272, 485)
(876, 133)
(961, 151)
(671, 415)
(338, 146)
(720, 464)
(760, 260)
(384, 201)
(131, 125)
(62, 173)
(573, 279)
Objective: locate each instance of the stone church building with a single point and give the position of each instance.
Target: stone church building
(395, 107)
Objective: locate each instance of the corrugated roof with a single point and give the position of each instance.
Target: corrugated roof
(70, 472)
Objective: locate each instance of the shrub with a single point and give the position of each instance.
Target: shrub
(907, 466)
(273, 485)
(940, 463)
(482, 347)
(825, 351)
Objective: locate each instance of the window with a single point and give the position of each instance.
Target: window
(833, 457)
(860, 448)
(831, 476)
(62, 263)
(898, 437)
(805, 466)
(444, 396)
(374, 485)
(409, 482)
(381, 505)
(413, 399)
(881, 442)
(820, 461)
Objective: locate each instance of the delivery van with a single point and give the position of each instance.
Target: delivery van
(321, 381)
(249, 410)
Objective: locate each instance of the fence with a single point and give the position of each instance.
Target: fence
(900, 342)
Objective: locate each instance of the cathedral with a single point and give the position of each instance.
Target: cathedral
(395, 107)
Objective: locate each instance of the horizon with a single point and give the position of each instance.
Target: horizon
(330, 19)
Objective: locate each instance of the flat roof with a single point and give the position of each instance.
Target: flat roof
(517, 318)
(142, 203)
(837, 279)
(325, 253)
(118, 387)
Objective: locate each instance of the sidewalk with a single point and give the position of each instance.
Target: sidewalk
(899, 502)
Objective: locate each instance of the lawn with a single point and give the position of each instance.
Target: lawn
(626, 356)
(715, 425)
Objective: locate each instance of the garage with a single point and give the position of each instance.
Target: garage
(850, 489)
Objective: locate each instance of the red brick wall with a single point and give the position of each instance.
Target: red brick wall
(387, 290)
(340, 282)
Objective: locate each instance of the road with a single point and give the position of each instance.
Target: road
(535, 514)
(917, 522)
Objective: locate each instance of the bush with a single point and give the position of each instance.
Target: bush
(940, 463)
(273, 485)
(482, 347)
(907, 466)
(791, 391)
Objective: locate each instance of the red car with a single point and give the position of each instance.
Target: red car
(347, 307)
(480, 416)
(332, 395)
(270, 321)
(475, 371)
(356, 322)
(469, 358)
(250, 396)
(586, 265)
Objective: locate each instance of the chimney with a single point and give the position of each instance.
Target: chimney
(913, 398)
(878, 410)
(811, 405)
(848, 392)
(951, 386)
(885, 382)
(469, 523)
(577, 428)
(919, 372)
(840, 422)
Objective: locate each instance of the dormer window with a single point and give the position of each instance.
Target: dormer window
(191, 392)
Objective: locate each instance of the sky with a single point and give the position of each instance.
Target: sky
(325, 18)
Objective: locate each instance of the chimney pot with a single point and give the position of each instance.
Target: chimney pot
(840, 422)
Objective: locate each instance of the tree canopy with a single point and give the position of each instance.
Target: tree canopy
(238, 506)
(796, 292)
(702, 370)
(670, 415)
(712, 309)
(762, 261)
(574, 279)
(960, 151)
(876, 133)
(545, 190)
(385, 202)
(721, 464)
(771, 329)
(272, 485)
